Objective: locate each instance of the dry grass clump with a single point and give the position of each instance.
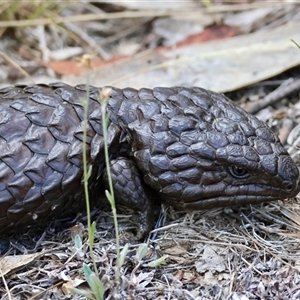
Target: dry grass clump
(249, 252)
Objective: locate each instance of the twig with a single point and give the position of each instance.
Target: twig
(15, 65)
(131, 14)
(86, 38)
(282, 91)
(6, 286)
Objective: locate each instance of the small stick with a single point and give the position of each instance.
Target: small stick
(282, 91)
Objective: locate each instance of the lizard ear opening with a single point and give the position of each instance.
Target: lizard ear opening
(238, 172)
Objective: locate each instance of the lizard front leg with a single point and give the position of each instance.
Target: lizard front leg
(132, 192)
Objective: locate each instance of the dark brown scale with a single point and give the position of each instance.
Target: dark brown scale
(189, 147)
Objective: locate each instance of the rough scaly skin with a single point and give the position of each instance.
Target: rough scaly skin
(189, 147)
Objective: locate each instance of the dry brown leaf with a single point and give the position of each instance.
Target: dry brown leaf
(176, 250)
(211, 260)
(218, 65)
(175, 30)
(12, 263)
(65, 287)
(210, 279)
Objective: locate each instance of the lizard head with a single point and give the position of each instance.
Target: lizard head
(199, 150)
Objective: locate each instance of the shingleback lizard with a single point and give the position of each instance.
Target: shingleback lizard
(188, 147)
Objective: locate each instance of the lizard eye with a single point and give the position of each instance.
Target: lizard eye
(238, 172)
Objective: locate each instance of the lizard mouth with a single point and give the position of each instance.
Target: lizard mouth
(239, 196)
(223, 201)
